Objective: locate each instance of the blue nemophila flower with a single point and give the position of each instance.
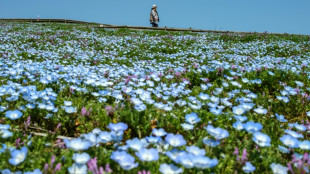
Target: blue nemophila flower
(82, 158)
(5, 126)
(148, 154)
(294, 134)
(174, 154)
(187, 127)
(203, 96)
(278, 169)
(125, 160)
(216, 111)
(192, 118)
(283, 149)
(290, 141)
(240, 118)
(140, 107)
(260, 110)
(247, 106)
(210, 142)
(175, 140)
(280, 118)
(300, 127)
(35, 171)
(153, 140)
(238, 110)
(252, 127)
(77, 168)
(248, 167)
(18, 156)
(136, 144)
(203, 162)
(70, 109)
(5, 133)
(238, 125)
(117, 127)
(105, 137)
(304, 145)
(261, 139)
(3, 149)
(217, 133)
(13, 115)
(159, 132)
(77, 144)
(195, 150)
(187, 160)
(169, 169)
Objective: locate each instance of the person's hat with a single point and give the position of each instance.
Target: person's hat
(154, 6)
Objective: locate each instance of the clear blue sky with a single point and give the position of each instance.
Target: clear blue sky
(280, 16)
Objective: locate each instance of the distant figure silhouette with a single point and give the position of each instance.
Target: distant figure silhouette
(38, 18)
(154, 18)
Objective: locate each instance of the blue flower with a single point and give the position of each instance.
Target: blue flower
(260, 110)
(105, 137)
(261, 139)
(217, 133)
(153, 140)
(77, 169)
(81, 158)
(238, 125)
(174, 154)
(203, 96)
(35, 171)
(140, 107)
(278, 169)
(125, 160)
(252, 127)
(187, 127)
(195, 150)
(280, 118)
(300, 127)
(136, 144)
(13, 115)
(18, 156)
(175, 140)
(5, 133)
(210, 142)
(4, 147)
(240, 118)
(203, 162)
(67, 103)
(283, 149)
(294, 134)
(304, 145)
(238, 110)
(70, 109)
(159, 132)
(77, 144)
(118, 127)
(170, 169)
(192, 118)
(290, 141)
(186, 160)
(216, 111)
(248, 168)
(148, 154)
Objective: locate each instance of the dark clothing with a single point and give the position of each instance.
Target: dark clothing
(154, 24)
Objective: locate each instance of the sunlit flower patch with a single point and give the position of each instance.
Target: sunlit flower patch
(80, 100)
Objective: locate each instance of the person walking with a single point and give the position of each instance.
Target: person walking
(154, 18)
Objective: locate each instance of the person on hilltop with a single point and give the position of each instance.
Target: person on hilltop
(154, 18)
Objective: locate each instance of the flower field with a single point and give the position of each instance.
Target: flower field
(80, 100)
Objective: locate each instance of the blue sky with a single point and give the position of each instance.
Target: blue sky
(285, 16)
